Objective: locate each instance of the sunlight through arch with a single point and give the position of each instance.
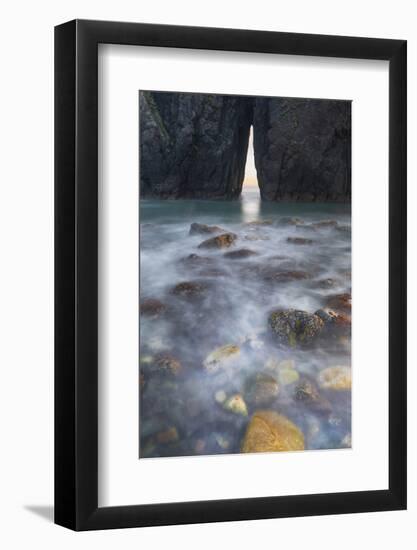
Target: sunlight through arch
(251, 198)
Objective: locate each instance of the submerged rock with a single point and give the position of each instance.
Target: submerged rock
(340, 302)
(299, 240)
(269, 431)
(290, 221)
(197, 260)
(167, 436)
(278, 275)
(256, 237)
(261, 389)
(325, 223)
(236, 405)
(325, 283)
(335, 378)
(221, 241)
(288, 376)
(189, 289)
(307, 393)
(295, 327)
(151, 307)
(167, 364)
(220, 396)
(258, 223)
(239, 254)
(221, 357)
(203, 229)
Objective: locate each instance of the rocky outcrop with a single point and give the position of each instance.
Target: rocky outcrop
(193, 145)
(302, 149)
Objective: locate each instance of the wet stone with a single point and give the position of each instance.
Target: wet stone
(295, 327)
(221, 241)
(151, 307)
(167, 364)
(236, 404)
(167, 436)
(221, 357)
(189, 289)
(299, 240)
(282, 276)
(325, 223)
(203, 229)
(269, 431)
(261, 389)
(240, 254)
(335, 378)
(307, 393)
(340, 302)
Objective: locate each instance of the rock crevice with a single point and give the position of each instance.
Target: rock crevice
(195, 146)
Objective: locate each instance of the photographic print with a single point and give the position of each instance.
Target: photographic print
(245, 274)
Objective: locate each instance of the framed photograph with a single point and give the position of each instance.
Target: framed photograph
(230, 244)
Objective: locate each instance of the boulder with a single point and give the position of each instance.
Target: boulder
(240, 254)
(295, 327)
(221, 241)
(202, 229)
(189, 289)
(269, 431)
(151, 307)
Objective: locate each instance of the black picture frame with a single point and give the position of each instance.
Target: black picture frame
(76, 272)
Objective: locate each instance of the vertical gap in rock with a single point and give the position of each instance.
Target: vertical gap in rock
(250, 190)
(250, 180)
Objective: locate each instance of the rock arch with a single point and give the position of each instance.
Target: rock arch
(195, 146)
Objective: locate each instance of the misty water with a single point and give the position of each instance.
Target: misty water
(181, 402)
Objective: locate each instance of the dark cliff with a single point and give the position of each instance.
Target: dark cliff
(195, 146)
(303, 149)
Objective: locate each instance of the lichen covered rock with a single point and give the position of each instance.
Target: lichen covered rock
(295, 327)
(269, 431)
